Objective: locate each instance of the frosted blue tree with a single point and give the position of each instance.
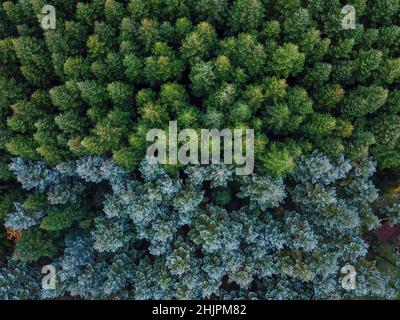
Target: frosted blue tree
(22, 219)
(33, 175)
(110, 234)
(19, 281)
(264, 192)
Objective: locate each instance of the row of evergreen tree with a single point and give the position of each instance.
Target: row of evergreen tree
(77, 101)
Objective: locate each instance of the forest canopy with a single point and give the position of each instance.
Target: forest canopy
(317, 80)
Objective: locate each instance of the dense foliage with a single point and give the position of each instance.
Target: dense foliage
(78, 192)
